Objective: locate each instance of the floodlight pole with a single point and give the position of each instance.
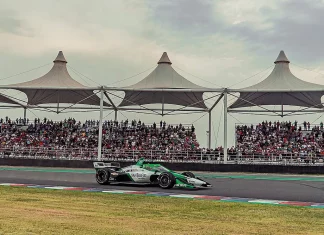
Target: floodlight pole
(100, 125)
(116, 114)
(225, 126)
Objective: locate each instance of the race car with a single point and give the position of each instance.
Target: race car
(146, 174)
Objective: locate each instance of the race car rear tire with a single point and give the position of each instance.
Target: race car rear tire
(102, 177)
(189, 174)
(166, 180)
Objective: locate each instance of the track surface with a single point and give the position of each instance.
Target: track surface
(288, 190)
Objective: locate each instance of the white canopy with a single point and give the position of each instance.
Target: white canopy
(164, 77)
(281, 87)
(57, 86)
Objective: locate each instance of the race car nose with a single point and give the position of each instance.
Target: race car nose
(206, 185)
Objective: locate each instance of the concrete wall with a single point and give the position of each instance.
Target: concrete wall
(173, 166)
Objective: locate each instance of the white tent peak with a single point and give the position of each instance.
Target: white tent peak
(57, 77)
(60, 58)
(164, 77)
(282, 79)
(281, 87)
(165, 59)
(282, 58)
(47, 89)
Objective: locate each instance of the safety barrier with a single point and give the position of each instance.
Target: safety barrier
(176, 166)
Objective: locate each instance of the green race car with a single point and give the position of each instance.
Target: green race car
(146, 174)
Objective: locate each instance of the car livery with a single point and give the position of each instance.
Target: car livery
(146, 174)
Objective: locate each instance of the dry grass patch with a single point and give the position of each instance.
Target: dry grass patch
(41, 211)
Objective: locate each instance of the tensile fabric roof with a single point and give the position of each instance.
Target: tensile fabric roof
(281, 87)
(164, 77)
(57, 86)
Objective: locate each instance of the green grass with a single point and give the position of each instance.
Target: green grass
(43, 211)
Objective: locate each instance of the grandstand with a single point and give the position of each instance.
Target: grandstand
(102, 139)
(128, 140)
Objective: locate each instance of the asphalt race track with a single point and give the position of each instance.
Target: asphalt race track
(279, 189)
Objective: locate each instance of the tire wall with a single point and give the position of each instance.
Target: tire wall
(173, 166)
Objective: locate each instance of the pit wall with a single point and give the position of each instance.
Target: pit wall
(282, 169)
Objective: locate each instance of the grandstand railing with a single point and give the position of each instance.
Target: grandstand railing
(214, 157)
(95, 124)
(273, 123)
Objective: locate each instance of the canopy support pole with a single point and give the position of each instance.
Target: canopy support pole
(209, 129)
(100, 125)
(162, 106)
(25, 113)
(225, 126)
(217, 101)
(209, 120)
(58, 103)
(282, 111)
(112, 103)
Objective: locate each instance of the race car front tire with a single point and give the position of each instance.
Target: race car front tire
(189, 174)
(102, 177)
(166, 180)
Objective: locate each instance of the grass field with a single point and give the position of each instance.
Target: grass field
(43, 211)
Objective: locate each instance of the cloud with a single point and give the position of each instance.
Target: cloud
(293, 26)
(8, 23)
(255, 14)
(193, 15)
(65, 28)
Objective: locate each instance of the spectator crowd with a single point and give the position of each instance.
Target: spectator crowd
(264, 139)
(71, 134)
(280, 139)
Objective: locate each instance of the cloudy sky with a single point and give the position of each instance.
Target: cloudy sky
(212, 43)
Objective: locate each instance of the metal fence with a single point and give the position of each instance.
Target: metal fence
(214, 157)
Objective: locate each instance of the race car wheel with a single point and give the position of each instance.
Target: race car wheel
(166, 180)
(102, 177)
(189, 174)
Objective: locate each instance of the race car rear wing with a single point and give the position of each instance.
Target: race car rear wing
(98, 165)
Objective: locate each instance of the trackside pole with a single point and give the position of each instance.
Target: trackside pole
(209, 130)
(25, 109)
(225, 126)
(116, 115)
(100, 125)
